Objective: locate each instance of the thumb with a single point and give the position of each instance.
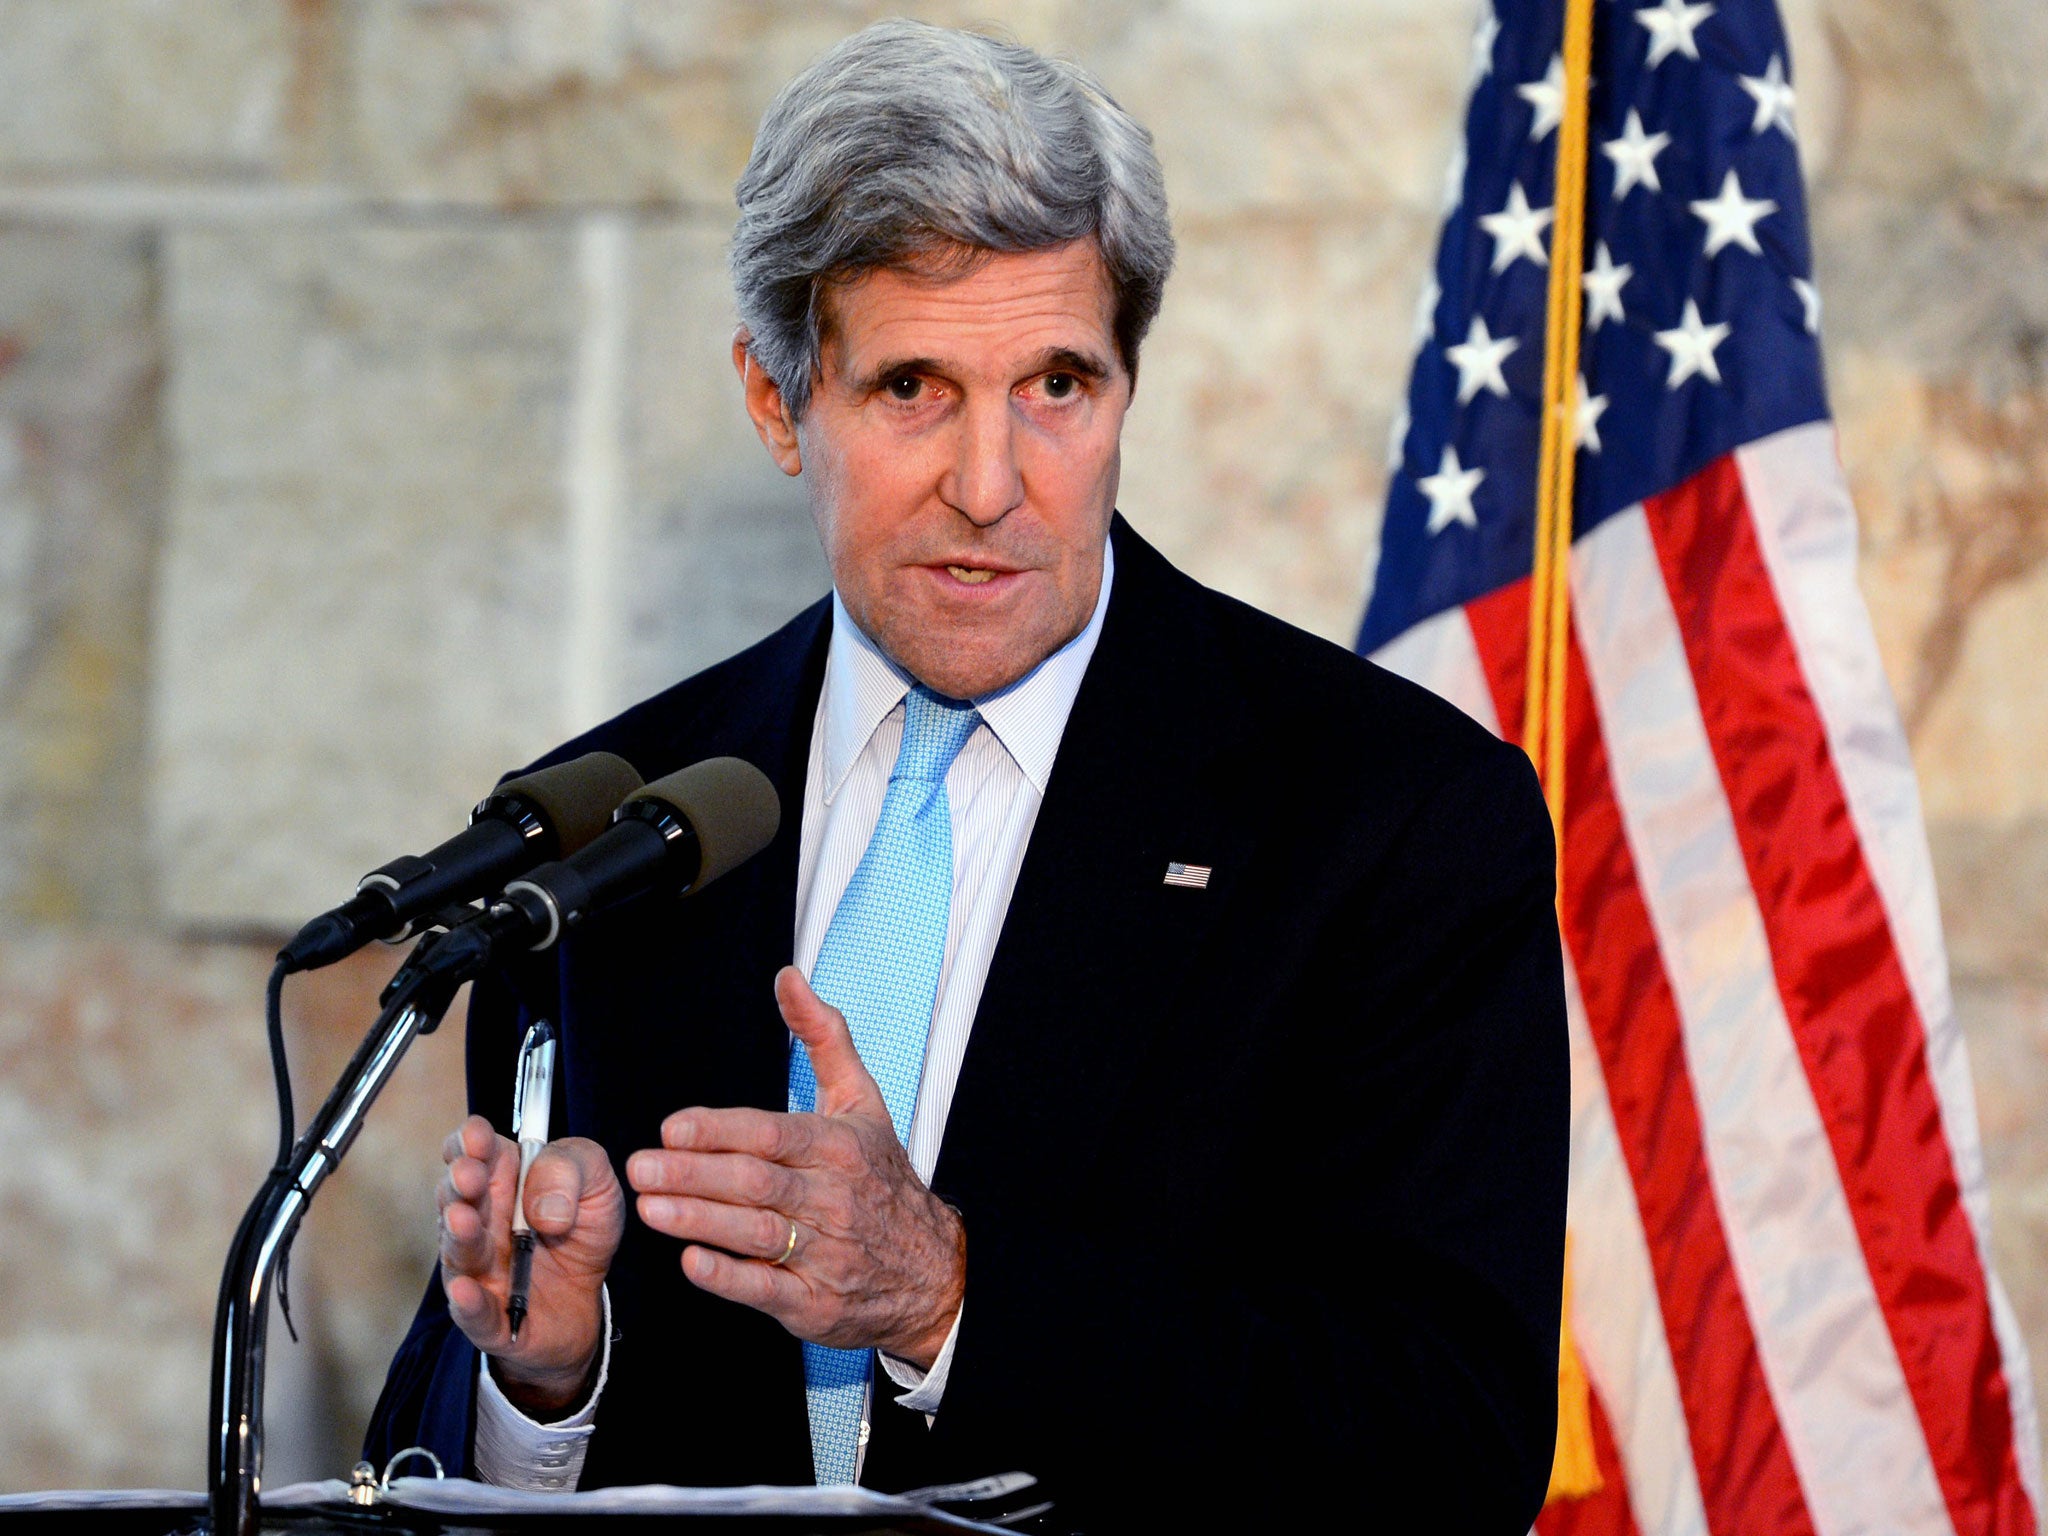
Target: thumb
(844, 1084)
(562, 1173)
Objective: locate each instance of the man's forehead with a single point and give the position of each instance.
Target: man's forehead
(984, 306)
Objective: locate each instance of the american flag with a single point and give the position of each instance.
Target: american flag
(1782, 1295)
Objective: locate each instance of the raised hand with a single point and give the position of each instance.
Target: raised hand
(818, 1220)
(577, 1211)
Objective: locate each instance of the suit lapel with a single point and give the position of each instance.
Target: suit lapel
(1093, 932)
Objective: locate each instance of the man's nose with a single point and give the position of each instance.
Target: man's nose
(984, 481)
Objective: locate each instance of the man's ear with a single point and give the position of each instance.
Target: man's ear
(765, 405)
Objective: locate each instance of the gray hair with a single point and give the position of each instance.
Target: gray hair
(908, 143)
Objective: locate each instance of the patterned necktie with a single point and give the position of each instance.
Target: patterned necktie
(879, 965)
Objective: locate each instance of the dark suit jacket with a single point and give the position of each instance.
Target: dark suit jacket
(1263, 1182)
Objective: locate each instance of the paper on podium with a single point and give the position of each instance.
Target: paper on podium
(460, 1496)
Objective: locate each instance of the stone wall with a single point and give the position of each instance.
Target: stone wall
(365, 427)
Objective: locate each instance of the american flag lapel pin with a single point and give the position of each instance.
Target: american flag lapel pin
(1193, 876)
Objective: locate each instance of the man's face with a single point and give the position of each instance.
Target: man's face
(961, 452)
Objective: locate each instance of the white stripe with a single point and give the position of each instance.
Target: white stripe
(1806, 528)
(1826, 1352)
(1441, 654)
(1616, 1317)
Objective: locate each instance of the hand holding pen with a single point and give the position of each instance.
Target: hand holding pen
(573, 1210)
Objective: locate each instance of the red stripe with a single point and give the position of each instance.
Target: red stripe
(1844, 989)
(1605, 1513)
(1747, 1480)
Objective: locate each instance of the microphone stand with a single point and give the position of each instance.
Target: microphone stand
(413, 1006)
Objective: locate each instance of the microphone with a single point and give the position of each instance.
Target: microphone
(523, 822)
(679, 834)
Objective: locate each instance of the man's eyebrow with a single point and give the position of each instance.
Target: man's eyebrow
(1052, 360)
(1067, 360)
(895, 368)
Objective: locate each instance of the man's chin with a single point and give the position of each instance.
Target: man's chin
(969, 669)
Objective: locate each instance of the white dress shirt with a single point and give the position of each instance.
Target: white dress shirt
(994, 789)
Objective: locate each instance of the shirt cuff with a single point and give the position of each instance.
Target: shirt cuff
(923, 1389)
(514, 1451)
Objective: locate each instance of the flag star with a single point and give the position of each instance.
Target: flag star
(1483, 38)
(1517, 230)
(1454, 179)
(1450, 493)
(1586, 418)
(1809, 299)
(1603, 288)
(1691, 345)
(1773, 95)
(1397, 438)
(1671, 25)
(1731, 218)
(1425, 309)
(1635, 156)
(1547, 97)
(1478, 358)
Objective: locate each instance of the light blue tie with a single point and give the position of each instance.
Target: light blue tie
(879, 965)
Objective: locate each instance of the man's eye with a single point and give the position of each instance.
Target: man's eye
(1060, 385)
(906, 388)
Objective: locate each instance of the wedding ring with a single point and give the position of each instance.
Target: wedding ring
(787, 1249)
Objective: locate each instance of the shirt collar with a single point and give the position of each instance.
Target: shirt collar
(863, 686)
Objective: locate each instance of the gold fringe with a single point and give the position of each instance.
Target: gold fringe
(1574, 1468)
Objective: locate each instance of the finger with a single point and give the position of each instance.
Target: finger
(473, 1309)
(475, 1137)
(738, 1229)
(468, 1179)
(726, 1177)
(466, 1247)
(844, 1084)
(764, 1287)
(759, 1133)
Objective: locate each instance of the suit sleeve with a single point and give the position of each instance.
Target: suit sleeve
(1426, 1360)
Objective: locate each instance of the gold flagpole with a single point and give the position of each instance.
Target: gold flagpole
(1575, 1470)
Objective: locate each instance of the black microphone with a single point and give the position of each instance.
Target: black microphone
(678, 834)
(523, 822)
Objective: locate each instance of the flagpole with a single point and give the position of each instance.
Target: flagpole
(1575, 1470)
(1543, 718)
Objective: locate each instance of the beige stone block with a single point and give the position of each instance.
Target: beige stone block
(1993, 879)
(136, 1120)
(1255, 451)
(362, 592)
(79, 506)
(133, 88)
(1941, 90)
(1294, 107)
(522, 101)
(1951, 482)
(2006, 1025)
(720, 547)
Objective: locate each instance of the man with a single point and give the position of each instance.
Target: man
(1139, 1059)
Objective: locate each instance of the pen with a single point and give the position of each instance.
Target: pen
(533, 1096)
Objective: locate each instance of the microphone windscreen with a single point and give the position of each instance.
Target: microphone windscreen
(577, 797)
(729, 804)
